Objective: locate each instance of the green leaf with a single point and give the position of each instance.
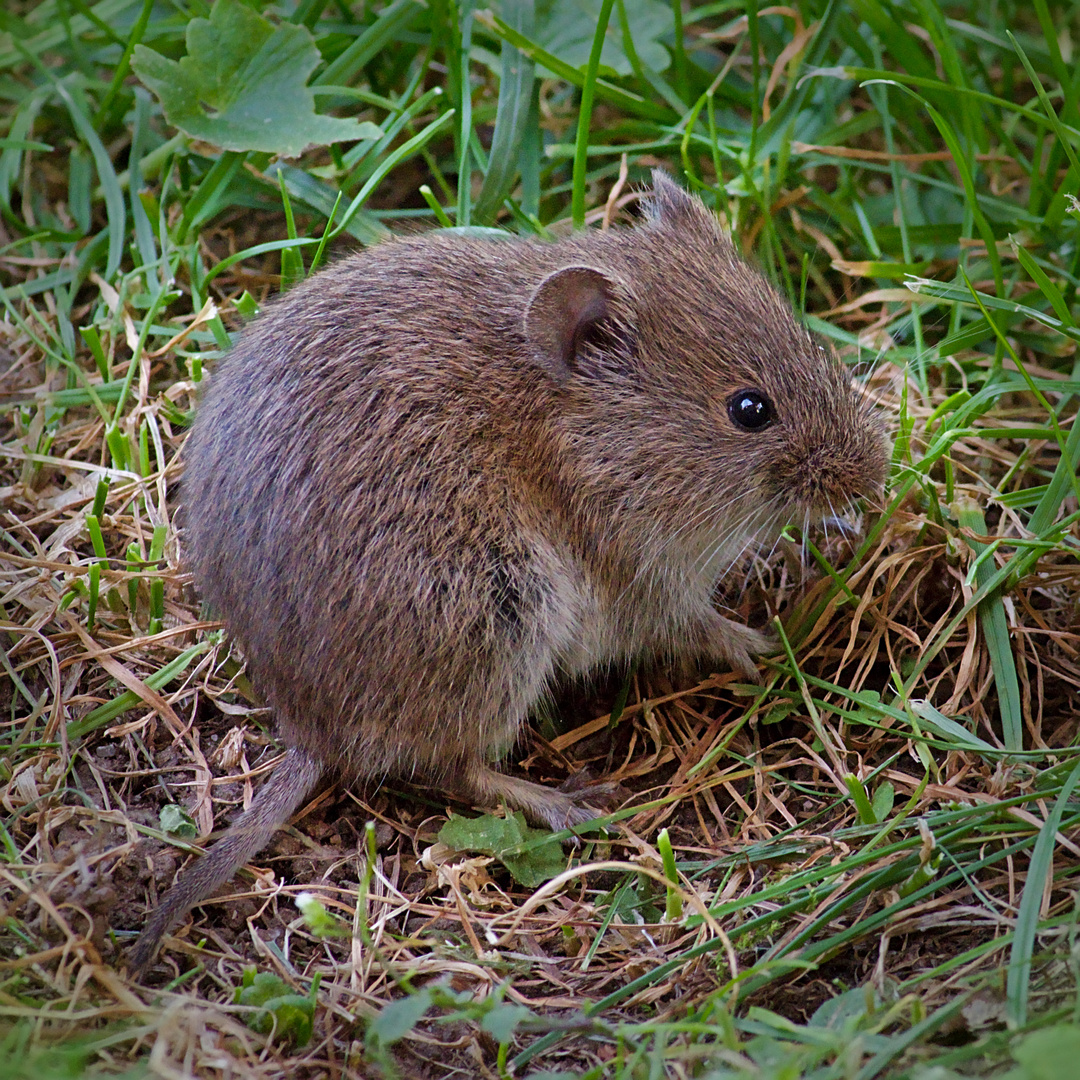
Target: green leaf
(259, 987)
(565, 28)
(503, 1021)
(399, 1017)
(289, 1013)
(176, 821)
(320, 922)
(530, 855)
(487, 834)
(242, 85)
(1049, 1054)
(994, 624)
(380, 35)
(103, 714)
(616, 95)
(674, 910)
(846, 1011)
(110, 185)
(884, 798)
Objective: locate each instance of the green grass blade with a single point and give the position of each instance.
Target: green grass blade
(963, 167)
(1051, 115)
(108, 712)
(391, 22)
(124, 67)
(116, 215)
(623, 99)
(145, 241)
(251, 253)
(211, 189)
(465, 128)
(796, 97)
(995, 629)
(1046, 286)
(406, 150)
(903, 78)
(511, 118)
(588, 92)
(682, 63)
(1018, 978)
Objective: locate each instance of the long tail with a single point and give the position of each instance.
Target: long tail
(276, 800)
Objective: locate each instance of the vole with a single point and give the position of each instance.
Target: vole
(446, 471)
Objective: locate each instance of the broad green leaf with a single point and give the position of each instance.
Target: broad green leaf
(566, 27)
(399, 1017)
(846, 1011)
(259, 987)
(503, 1021)
(242, 85)
(1049, 1054)
(176, 821)
(288, 1013)
(520, 849)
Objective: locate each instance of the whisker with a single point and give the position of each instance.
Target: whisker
(654, 558)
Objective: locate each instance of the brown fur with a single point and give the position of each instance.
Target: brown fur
(446, 471)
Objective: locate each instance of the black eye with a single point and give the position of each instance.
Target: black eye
(750, 410)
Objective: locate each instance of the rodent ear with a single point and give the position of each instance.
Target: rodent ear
(570, 306)
(669, 204)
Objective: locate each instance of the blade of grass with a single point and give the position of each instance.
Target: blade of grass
(145, 240)
(403, 152)
(995, 629)
(903, 78)
(623, 99)
(588, 92)
(963, 167)
(391, 22)
(465, 130)
(1018, 977)
(52, 36)
(116, 215)
(124, 66)
(955, 294)
(682, 64)
(250, 253)
(1060, 129)
(212, 188)
(795, 99)
(1065, 471)
(108, 712)
(511, 118)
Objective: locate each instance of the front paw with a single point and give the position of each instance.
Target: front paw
(738, 646)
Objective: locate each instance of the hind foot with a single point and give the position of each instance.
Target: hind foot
(547, 807)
